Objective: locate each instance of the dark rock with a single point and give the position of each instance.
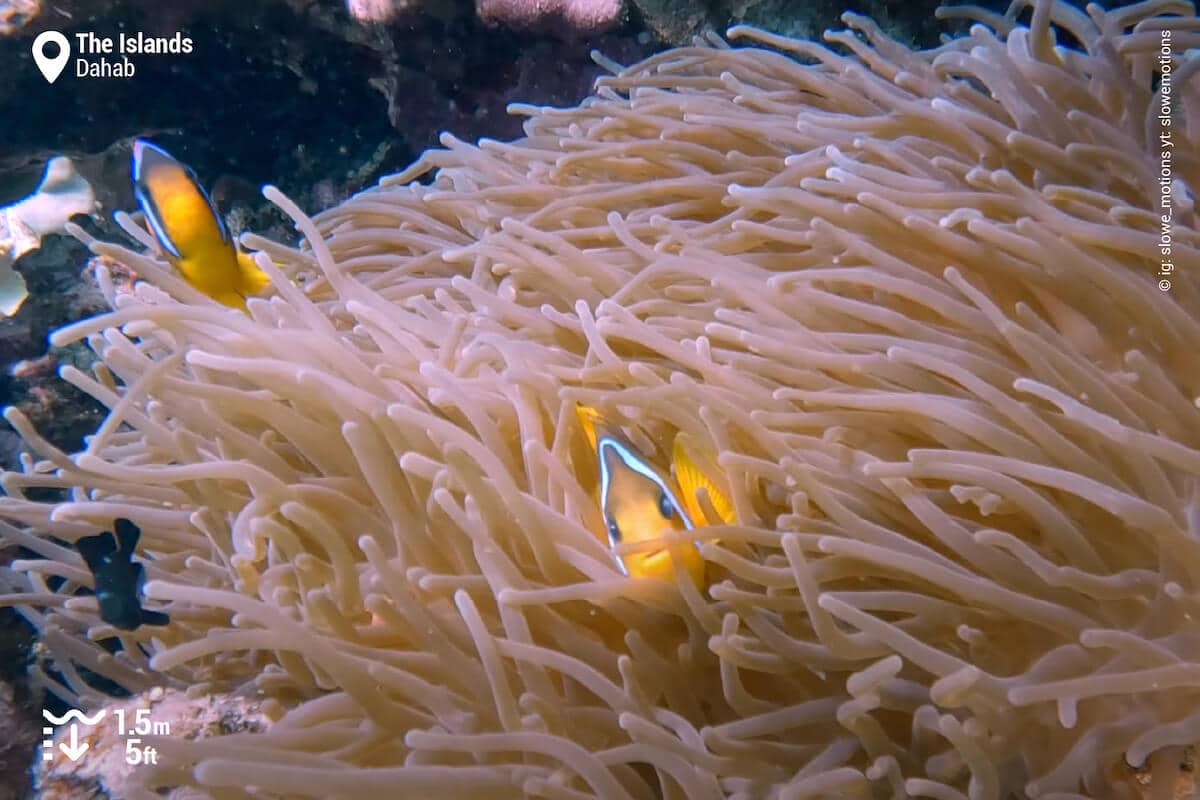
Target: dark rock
(20, 719)
(58, 295)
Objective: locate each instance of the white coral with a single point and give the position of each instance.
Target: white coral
(62, 194)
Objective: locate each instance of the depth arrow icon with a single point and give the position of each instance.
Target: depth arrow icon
(74, 750)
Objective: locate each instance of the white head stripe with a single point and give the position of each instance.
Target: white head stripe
(150, 209)
(634, 462)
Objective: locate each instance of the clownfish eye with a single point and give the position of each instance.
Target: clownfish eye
(664, 506)
(614, 531)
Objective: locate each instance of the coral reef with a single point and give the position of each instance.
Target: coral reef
(565, 17)
(57, 295)
(62, 194)
(380, 10)
(40, 272)
(906, 306)
(21, 723)
(16, 14)
(105, 769)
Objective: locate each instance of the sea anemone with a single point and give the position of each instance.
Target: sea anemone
(931, 319)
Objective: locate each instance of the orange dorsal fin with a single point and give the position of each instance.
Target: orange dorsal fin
(589, 418)
(691, 480)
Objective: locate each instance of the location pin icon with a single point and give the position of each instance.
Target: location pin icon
(51, 66)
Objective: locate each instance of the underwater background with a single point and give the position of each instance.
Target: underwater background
(319, 98)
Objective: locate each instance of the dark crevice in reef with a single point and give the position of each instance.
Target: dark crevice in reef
(20, 706)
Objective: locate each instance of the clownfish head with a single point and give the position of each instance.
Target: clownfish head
(639, 502)
(179, 211)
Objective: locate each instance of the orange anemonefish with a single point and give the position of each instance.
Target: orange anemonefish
(639, 502)
(190, 231)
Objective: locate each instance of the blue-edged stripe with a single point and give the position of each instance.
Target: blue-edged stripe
(146, 201)
(634, 462)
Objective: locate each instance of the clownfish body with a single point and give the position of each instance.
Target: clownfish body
(187, 226)
(640, 502)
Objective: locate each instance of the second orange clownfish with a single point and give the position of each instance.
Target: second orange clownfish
(192, 234)
(639, 502)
